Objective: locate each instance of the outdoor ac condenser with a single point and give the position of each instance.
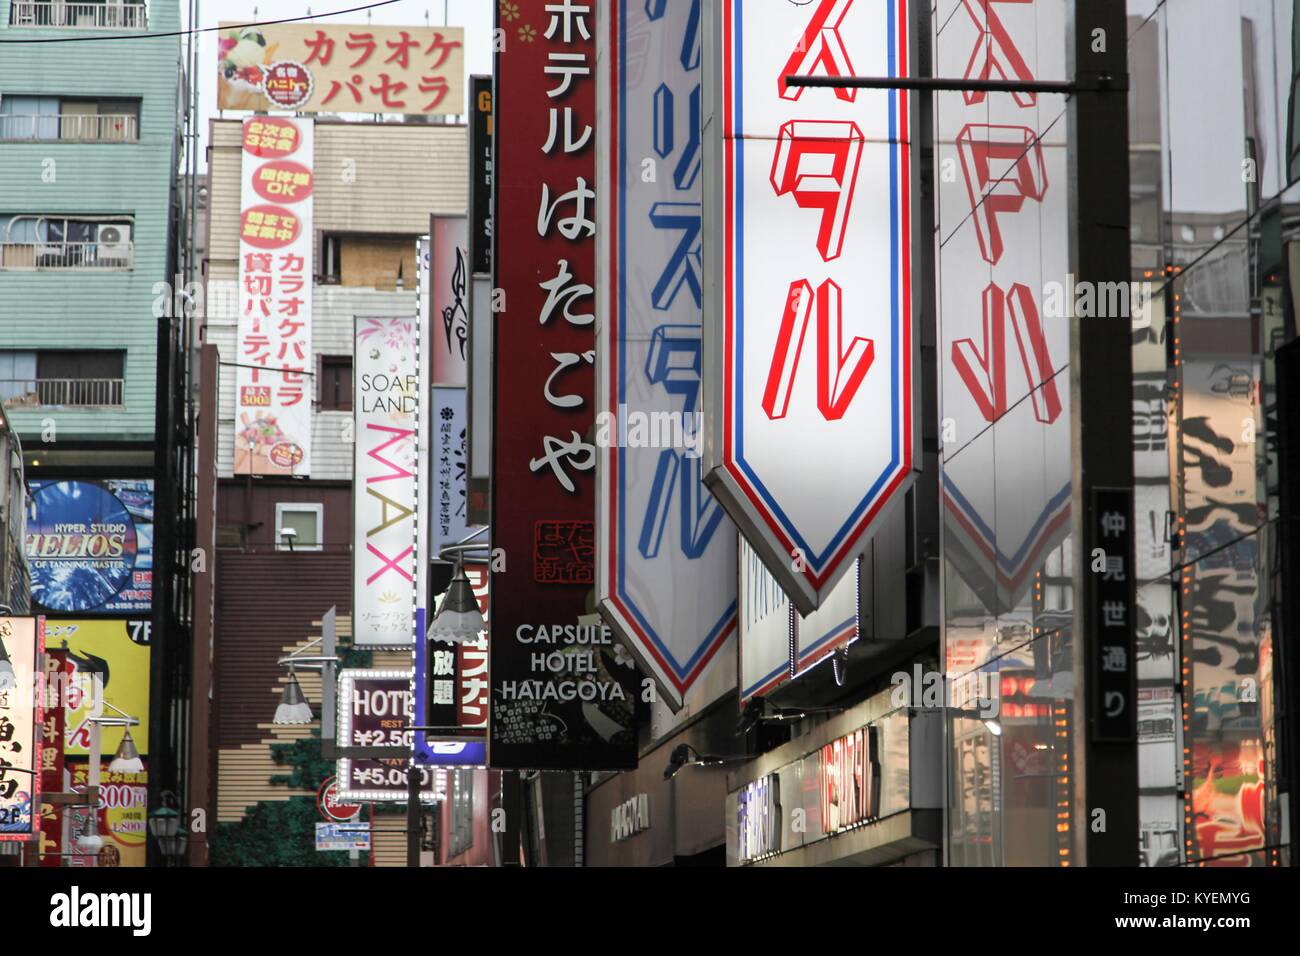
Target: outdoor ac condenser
(111, 244)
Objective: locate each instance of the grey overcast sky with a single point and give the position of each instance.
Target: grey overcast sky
(474, 15)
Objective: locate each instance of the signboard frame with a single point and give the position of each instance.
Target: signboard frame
(665, 575)
(807, 577)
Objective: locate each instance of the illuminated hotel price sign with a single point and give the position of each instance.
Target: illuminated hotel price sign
(1110, 587)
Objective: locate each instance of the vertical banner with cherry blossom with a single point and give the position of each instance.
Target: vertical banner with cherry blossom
(273, 387)
(386, 493)
(563, 691)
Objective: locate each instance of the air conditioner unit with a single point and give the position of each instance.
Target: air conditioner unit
(111, 243)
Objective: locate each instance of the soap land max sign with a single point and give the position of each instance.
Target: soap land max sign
(385, 503)
(809, 362)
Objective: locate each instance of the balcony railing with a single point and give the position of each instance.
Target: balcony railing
(84, 128)
(66, 255)
(94, 16)
(67, 392)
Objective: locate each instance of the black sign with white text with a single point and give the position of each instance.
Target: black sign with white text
(1110, 589)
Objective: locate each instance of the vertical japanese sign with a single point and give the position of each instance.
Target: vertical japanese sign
(449, 266)
(385, 466)
(57, 674)
(777, 643)
(480, 174)
(472, 661)
(563, 693)
(666, 558)
(22, 640)
(452, 692)
(1003, 215)
(482, 128)
(1110, 586)
(273, 391)
(450, 471)
(766, 638)
(811, 349)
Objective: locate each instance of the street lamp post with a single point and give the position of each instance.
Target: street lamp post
(165, 827)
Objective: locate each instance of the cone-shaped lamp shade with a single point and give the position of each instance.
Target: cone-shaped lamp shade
(293, 708)
(8, 680)
(127, 759)
(90, 841)
(459, 619)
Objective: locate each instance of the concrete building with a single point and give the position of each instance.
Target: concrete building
(91, 373)
(376, 186)
(86, 191)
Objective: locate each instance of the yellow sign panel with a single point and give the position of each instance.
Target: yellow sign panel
(123, 816)
(116, 655)
(337, 68)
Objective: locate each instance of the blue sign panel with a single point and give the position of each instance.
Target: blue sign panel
(666, 559)
(90, 545)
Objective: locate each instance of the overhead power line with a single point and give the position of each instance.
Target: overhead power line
(182, 33)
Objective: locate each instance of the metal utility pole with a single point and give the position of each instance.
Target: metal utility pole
(1105, 812)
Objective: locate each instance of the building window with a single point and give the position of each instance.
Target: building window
(366, 261)
(68, 378)
(37, 241)
(298, 526)
(96, 15)
(74, 119)
(330, 258)
(336, 383)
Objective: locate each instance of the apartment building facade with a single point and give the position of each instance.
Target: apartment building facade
(86, 189)
(91, 123)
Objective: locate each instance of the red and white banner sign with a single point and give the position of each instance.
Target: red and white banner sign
(273, 397)
(811, 349)
(472, 662)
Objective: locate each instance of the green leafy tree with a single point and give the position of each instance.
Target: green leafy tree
(283, 832)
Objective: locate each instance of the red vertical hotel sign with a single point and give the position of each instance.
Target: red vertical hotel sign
(562, 694)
